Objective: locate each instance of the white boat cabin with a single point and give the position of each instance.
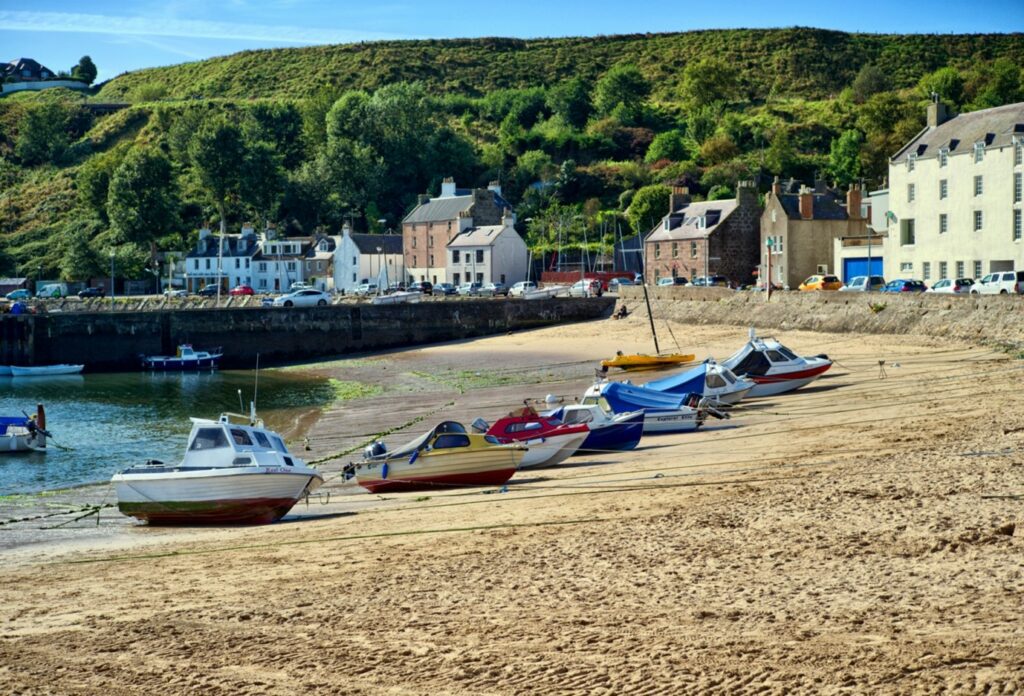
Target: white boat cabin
(221, 443)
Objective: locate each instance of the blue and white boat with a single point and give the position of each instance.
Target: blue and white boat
(186, 359)
(715, 382)
(23, 433)
(609, 432)
(663, 413)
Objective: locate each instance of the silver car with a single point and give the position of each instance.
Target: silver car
(951, 286)
(303, 298)
(862, 284)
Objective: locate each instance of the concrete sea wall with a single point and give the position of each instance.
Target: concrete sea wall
(984, 319)
(107, 341)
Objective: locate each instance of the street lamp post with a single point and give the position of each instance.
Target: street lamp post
(112, 279)
(379, 264)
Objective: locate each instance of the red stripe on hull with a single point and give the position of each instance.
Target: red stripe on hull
(252, 511)
(476, 478)
(786, 376)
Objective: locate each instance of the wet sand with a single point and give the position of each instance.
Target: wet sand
(861, 535)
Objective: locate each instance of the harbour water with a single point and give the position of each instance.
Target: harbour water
(104, 422)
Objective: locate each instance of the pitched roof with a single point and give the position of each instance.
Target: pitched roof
(368, 243)
(479, 236)
(209, 247)
(449, 207)
(17, 66)
(994, 127)
(826, 206)
(694, 221)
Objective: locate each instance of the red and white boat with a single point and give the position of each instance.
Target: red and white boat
(773, 368)
(547, 439)
(445, 457)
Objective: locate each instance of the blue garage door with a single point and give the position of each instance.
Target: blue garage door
(859, 267)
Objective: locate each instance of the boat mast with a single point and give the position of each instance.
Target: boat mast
(650, 317)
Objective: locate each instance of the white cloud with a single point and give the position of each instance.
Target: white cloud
(142, 26)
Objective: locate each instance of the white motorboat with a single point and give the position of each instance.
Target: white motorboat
(548, 441)
(231, 473)
(45, 370)
(714, 382)
(773, 368)
(608, 431)
(23, 433)
(397, 298)
(186, 358)
(547, 292)
(663, 413)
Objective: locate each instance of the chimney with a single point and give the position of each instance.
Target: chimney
(746, 193)
(204, 232)
(346, 231)
(422, 199)
(247, 230)
(806, 203)
(854, 198)
(938, 113)
(679, 198)
(494, 186)
(776, 186)
(447, 187)
(508, 218)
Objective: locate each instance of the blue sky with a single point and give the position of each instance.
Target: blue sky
(122, 35)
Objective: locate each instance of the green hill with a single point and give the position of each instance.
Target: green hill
(575, 129)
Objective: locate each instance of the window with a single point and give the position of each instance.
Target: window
(910, 193)
(943, 269)
(247, 263)
(455, 255)
(959, 269)
(241, 437)
(355, 260)
(943, 188)
(907, 231)
(431, 260)
(238, 263)
(978, 220)
(943, 223)
(693, 250)
(291, 265)
(263, 283)
(353, 277)
(207, 264)
(430, 240)
(479, 255)
(414, 239)
(943, 157)
(979, 186)
(263, 266)
(1016, 225)
(209, 438)
(979, 152)
(926, 270)
(1017, 187)
(675, 250)
(911, 161)
(906, 267)
(775, 356)
(977, 269)
(1018, 152)
(479, 277)
(261, 438)
(414, 259)
(657, 251)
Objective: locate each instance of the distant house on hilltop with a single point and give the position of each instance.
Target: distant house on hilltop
(26, 74)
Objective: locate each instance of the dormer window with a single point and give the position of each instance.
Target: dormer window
(702, 222)
(1018, 151)
(666, 223)
(911, 161)
(979, 151)
(944, 157)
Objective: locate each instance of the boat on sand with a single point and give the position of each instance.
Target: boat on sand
(548, 441)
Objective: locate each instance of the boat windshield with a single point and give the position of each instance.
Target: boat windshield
(787, 352)
(261, 438)
(450, 440)
(714, 381)
(576, 416)
(520, 427)
(209, 438)
(279, 444)
(241, 437)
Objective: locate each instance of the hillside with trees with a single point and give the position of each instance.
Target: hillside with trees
(583, 132)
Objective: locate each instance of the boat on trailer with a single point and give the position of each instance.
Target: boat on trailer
(773, 368)
(232, 473)
(186, 358)
(24, 433)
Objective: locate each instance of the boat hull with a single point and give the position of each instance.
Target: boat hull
(22, 443)
(770, 385)
(647, 362)
(178, 365)
(45, 370)
(617, 437)
(244, 495)
(678, 421)
(441, 469)
(551, 450)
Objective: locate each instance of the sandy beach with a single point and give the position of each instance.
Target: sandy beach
(862, 535)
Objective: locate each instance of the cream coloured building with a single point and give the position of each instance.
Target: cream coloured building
(955, 196)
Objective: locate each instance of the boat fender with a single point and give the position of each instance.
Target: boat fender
(384, 471)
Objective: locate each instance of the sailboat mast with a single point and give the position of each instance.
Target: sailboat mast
(650, 316)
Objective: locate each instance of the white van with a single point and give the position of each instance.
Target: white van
(1001, 283)
(53, 290)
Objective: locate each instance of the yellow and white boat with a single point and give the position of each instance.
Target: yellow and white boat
(446, 457)
(639, 361)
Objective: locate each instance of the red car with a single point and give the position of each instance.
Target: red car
(242, 290)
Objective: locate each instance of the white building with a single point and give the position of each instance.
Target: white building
(231, 262)
(488, 254)
(955, 195)
(280, 263)
(362, 258)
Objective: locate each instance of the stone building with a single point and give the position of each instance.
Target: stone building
(799, 229)
(706, 238)
(955, 196)
(435, 222)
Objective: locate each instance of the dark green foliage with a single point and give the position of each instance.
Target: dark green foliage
(947, 83)
(669, 145)
(142, 202)
(648, 206)
(571, 100)
(217, 153)
(844, 163)
(621, 92)
(708, 81)
(85, 70)
(1002, 85)
(79, 257)
(870, 80)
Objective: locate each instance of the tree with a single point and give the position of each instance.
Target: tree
(781, 156)
(93, 181)
(669, 145)
(217, 152)
(709, 81)
(143, 199)
(79, 260)
(844, 157)
(870, 80)
(624, 90)
(279, 124)
(1003, 87)
(946, 82)
(42, 134)
(85, 70)
(718, 149)
(262, 180)
(648, 206)
(571, 100)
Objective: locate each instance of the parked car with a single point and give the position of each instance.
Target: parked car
(672, 280)
(588, 287)
(467, 289)
(615, 283)
(718, 281)
(299, 285)
(172, 292)
(952, 286)
(208, 291)
(902, 285)
(393, 288)
(303, 298)
(495, 289)
(821, 282)
(19, 294)
(365, 289)
(445, 289)
(521, 288)
(53, 290)
(95, 291)
(241, 290)
(864, 284)
(1001, 283)
(423, 286)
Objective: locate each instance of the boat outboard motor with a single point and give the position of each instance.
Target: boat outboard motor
(479, 426)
